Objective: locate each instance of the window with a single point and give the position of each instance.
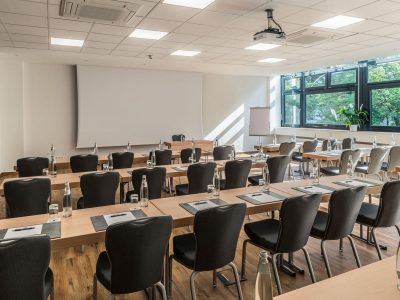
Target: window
(292, 83)
(344, 77)
(385, 107)
(318, 80)
(292, 109)
(382, 72)
(322, 108)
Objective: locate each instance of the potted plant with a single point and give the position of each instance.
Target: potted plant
(353, 117)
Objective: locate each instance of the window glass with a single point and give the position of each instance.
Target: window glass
(384, 72)
(292, 83)
(292, 109)
(344, 77)
(318, 80)
(385, 107)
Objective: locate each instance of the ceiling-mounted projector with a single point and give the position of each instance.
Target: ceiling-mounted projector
(274, 31)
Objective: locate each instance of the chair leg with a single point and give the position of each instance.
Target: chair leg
(328, 268)
(94, 287)
(310, 268)
(237, 279)
(244, 250)
(275, 271)
(376, 243)
(171, 258)
(353, 247)
(192, 286)
(214, 278)
(163, 291)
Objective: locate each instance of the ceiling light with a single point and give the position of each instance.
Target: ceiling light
(262, 46)
(66, 42)
(148, 34)
(271, 60)
(190, 3)
(185, 53)
(337, 22)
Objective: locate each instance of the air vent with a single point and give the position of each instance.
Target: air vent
(309, 36)
(114, 12)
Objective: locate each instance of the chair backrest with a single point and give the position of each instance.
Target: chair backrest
(394, 158)
(310, 146)
(199, 176)
(376, 159)
(287, 148)
(277, 166)
(32, 166)
(136, 250)
(347, 143)
(236, 173)
(163, 157)
(155, 178)
(178, 137)
(344, 159)
(325, 144)
(122, 160)
(98, 189)
(344, 206)
(297, 216)
(24, 263)
(222, 152)
(83, 163)
(389, 205)
(187, 153)
(217, 231)
(26, 197)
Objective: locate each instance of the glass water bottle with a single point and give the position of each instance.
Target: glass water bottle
(144, 192)
(129, 147)
(263, 289)
(110, 161)
(67, 201)
(216, 183)
(350, 167)
(153, 158)
(95, 149)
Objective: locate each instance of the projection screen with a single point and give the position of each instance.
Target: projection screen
(117, 105)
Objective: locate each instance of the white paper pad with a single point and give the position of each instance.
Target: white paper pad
(118, 218)
(262, 197)
(202, 204)
(181, 168)
(355, 183)
(14, 233)
(313, 189)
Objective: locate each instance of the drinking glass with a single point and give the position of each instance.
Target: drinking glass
(134, 198)
(261, 184)
(106, 167)
(45, 172)
(149, 164)
(210, 191)
(53, 212)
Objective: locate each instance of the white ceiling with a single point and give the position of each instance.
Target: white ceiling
(221, 32)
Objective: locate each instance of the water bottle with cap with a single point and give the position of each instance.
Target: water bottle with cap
(329, 145)
(67, 201)
(350, 167)
(263, 289)
(129, 147)
(160, 145)
(216, 142)
(144, 192)
(52, 150)
(193, 156)
(266, 178)
(53, 168)
(153, 158)
(233, 152)
(95, 149)
(374, 143)
(216, 183)
(353, 143)
(192, 143)
(275, 141)
(110, 161)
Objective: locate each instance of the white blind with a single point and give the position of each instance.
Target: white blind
(259, 121)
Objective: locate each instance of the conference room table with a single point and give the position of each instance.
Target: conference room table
(333, 155)
(205, 145)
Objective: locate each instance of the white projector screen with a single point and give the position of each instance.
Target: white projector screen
(259, 121)
(117, 105)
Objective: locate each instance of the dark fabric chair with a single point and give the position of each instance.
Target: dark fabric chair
(26, 197)
(187, 153)
(374, 165)
(122, 160)
(277, 166)
(287, 148)
(236, 173)
(155, 178)
(338, 223)
(287, 235)
(222, 152)
(98, 189)
(163, 157)
(344, 160)
(325, 144)
(32, 166)
(347, 143)
(178, 137)
(84, 163)
(134, 256)
(212, 245)
(199, 176)
(25, 272)
(308, 146)
(386, 214)
(393, 161)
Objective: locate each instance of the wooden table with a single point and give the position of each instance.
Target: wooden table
(333, 155)
(372, 282)
(274, 147)
(203, 144)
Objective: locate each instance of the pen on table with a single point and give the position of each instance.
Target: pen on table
(199, 203)
(118, 215)
(25, 228)
(256, 195)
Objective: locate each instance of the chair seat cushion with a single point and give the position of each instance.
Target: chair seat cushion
(103, 270)
(385, 166)
(330, 171)
(80, 204)
(48, 282)
(182, 189)
(185, 249)
(361, 168)
(368, 214)
(263, 233)
(319, 226)
(254, 179)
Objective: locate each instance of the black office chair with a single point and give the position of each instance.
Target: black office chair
(187, 153)
(236, 173)
(155, 178)
(98, 189)
(344, 160)
(222, 152)
(393, 161)
(387, 214)
(122, 160)
(212, 245)
(287, 235)
(32, 166)
(25, 272)
(134, 256)
(178, 137)
(84, 163)
(347, 143)
(199, 176)
(308, 146)
(163, 157)
(277, 166)
(338, 223)
(27, 197)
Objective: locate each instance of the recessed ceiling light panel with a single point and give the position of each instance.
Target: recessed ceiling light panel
(185, 53)
(148, 34)
(337, 22)
(66, 42)
(262, 46)
(190, 3)
(271, 60)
